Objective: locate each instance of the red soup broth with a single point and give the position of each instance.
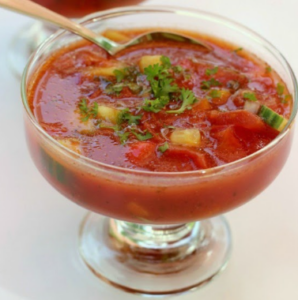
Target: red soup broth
(153, 161)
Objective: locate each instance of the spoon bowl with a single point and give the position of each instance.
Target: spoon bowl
(37, 11)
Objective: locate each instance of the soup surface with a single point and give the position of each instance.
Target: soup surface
(163, 105)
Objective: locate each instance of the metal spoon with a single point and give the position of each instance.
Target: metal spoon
(37, 11)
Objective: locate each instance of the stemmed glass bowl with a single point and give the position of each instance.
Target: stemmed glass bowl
(162, 232)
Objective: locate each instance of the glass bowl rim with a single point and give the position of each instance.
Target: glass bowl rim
(128, 10)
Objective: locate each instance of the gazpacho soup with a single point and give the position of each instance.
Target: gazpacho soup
(160, 106)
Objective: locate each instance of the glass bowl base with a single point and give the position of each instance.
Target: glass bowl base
(155, 260)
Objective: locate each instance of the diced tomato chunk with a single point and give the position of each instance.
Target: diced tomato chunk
(255, 141)
(140, 152)
(229, 148)
(176, 158)
(240, 118)
(192, 157)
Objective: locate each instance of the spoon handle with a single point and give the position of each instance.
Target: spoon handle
(39, 12)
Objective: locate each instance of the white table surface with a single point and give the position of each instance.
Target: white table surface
(38, 227)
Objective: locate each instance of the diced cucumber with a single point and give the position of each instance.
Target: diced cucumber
(272, 118)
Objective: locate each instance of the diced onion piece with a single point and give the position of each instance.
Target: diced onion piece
(252, 106)
(164, 132)
(108, 113)
(103, 71)
(115, 35)
(148, 60)
(186, 137)
(72, 144)
(272, 118)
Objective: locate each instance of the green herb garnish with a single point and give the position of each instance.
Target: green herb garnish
(155, 105)
(163, 148)
(115, 128)
(166, 61)
(164, 89)
(161, 84)
(85, 111)
(134, 87)
(114, 88)
(123, 136)
(94, 109)
(250, 96)
(126, 116)
(214, 94)
(177, 69)
(188, 98)
(207, 84)
(268, 69)
(210, 72)
(119, 75)
(142, 137)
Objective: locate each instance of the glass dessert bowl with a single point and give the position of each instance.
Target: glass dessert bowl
(163, 233)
